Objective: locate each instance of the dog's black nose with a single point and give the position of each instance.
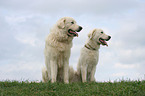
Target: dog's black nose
(109, 37)
(80, 28)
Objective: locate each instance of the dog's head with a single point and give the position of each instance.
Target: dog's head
(99, 36)
(69, 24)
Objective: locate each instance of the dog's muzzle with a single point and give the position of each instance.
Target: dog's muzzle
(103, 41)
(73, 33)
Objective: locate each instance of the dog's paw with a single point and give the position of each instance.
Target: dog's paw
(66, 82)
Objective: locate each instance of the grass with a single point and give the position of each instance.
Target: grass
(122, 88)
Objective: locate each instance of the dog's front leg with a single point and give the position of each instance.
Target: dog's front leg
(53, 64)
(66, 69)
(47, 63)
(84, 73)
(93, 74)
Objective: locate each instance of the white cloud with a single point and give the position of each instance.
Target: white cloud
(31, 40)
(121, 74)
(19, 70)
(18, 19)
(131, 56)
(126, 66)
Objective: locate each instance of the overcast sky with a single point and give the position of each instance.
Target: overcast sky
(24, 25)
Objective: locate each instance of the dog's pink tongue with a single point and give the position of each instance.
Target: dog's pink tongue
(104, 42)
(74, 33)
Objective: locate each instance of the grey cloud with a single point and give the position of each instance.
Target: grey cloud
(76, 7)
(129, 38)
(13, 50)
(7, 41)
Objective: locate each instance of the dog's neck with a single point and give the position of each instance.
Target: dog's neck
(92, 45)
(60, 35)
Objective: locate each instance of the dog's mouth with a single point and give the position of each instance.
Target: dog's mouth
(72, 33)
(103, 41)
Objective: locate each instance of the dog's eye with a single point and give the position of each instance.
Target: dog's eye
(72, 22)
(102, 32)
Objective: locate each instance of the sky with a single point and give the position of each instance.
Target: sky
(24, 25)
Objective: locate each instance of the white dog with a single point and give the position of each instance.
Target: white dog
(90, 54)
(57, 50)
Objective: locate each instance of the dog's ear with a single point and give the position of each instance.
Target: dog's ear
(91, 33)
(61, 23)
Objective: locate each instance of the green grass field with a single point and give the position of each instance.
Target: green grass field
(122, 88)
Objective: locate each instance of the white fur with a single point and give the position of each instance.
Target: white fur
(89, 57)
(57, 51)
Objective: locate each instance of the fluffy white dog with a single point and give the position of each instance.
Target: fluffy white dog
(88, 60)
(57, 50)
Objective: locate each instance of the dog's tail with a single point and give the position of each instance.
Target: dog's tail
(44, 75)
(73, 75)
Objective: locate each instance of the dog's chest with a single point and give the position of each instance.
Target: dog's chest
(92, 58)
(59, 45)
